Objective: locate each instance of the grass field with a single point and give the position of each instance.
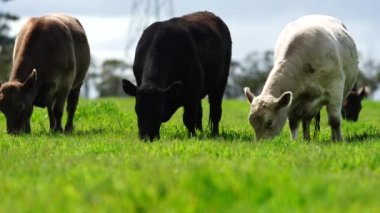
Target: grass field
(104, 167)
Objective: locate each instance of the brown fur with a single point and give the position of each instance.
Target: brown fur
(50, 60)
(205, 18)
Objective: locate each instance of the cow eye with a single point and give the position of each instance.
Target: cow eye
(268, 124)
(20, 106)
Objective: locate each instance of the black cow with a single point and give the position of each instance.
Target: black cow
(177, 63)
(351, 107)
(352, 104)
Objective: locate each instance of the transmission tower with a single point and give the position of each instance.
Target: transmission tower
(143, 13)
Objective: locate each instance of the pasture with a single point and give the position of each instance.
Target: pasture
(103, 166)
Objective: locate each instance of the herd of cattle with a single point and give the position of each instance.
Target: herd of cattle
(180, 61)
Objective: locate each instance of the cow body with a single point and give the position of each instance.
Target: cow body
(50, 60)
(316, 64)
(177, 63)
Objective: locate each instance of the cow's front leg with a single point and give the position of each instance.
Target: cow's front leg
(293, 125)
(190, 117)
(51, 117)
(198, 124)
(306, 129)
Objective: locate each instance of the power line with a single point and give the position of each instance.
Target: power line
(143, 13)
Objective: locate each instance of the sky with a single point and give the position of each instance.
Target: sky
(254, 25)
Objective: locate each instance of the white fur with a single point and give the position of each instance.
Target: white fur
(316, 60)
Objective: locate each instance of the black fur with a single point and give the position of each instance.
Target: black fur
(177, 63)
(352, 105)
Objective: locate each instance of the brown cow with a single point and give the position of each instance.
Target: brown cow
(50, 61)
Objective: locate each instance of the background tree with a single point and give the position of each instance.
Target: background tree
(111, 73)
(369, 74)
(252, 72)
(6, 42)
(89, 82)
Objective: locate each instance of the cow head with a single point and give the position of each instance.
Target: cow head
(16, 105)
(352, 105)
(268, 114)
(151, 106)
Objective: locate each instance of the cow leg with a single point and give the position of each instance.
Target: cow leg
(317, 127)
(58, 107)
(306, 129)
(215, 100)
(190, 117)
(27, 126)
(72, 103)
(334, 113)
(51, 117)
(293, 125)
(198, 125)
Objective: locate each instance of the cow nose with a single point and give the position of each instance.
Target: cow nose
(150, 137)
(143, 136)
(12, 131)
(154, 137)
(263, 137)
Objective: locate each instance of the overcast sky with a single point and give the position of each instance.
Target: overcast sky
(254, 25)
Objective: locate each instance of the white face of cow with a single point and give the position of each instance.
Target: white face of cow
(268, 114)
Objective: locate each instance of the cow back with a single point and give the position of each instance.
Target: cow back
(194, 49)
(56, 45)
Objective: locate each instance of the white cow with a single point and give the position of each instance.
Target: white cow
(315, 64)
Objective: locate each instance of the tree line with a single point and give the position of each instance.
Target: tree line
(6, 41)
(251, 71)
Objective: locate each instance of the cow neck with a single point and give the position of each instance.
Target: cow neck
(281, 79)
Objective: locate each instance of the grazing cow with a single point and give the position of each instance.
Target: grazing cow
(351, 107)
(352, 104)
(50, 61)
(177, 63)
(316, 64)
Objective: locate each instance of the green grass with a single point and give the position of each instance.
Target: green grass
(104, 167)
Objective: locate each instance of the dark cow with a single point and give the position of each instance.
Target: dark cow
(50, 60)
(351, 107)
(352, 104)
(177, 63)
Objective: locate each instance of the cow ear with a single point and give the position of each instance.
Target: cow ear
(248, 94)
(30, 81)
(129, 88)
(174, 90)
(284, 100)
(362, 94)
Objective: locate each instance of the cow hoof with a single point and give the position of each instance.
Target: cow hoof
(69, 129)
(57, 130)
